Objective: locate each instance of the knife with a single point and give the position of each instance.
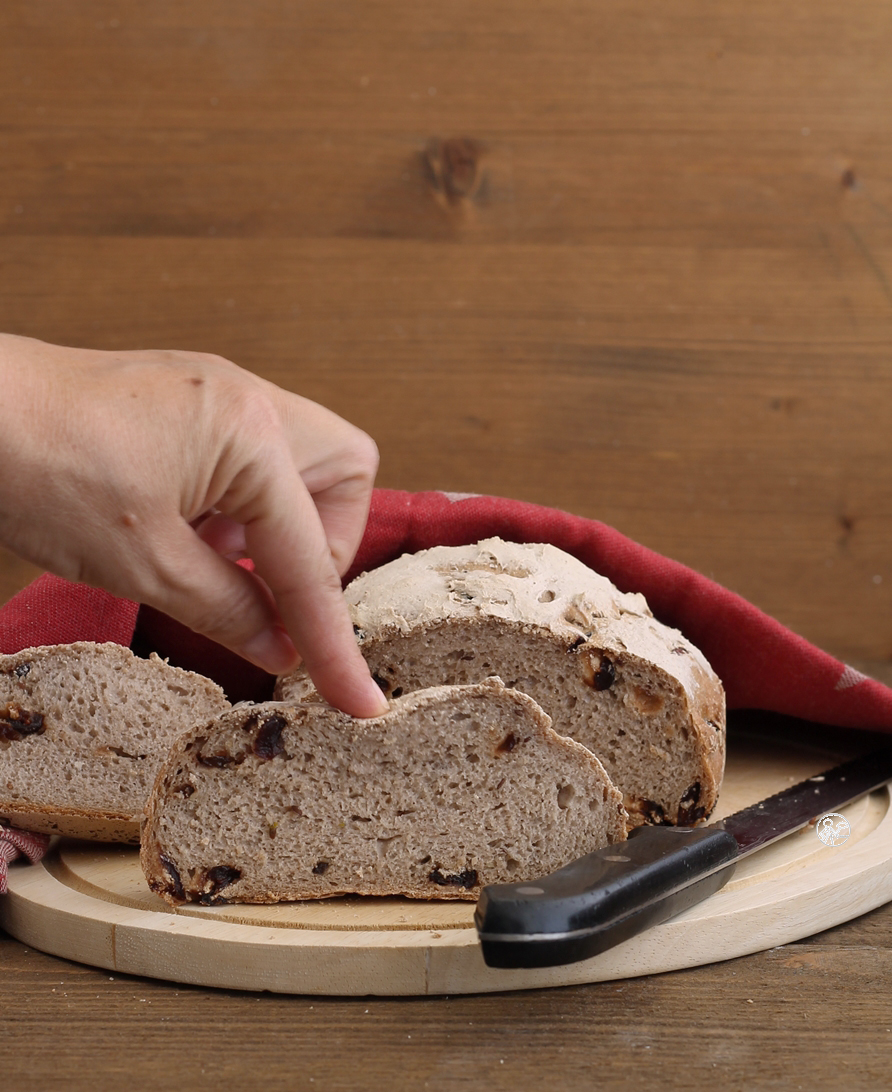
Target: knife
(606, 897)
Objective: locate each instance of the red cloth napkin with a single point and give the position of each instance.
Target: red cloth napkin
(14, 843)
(762, 664)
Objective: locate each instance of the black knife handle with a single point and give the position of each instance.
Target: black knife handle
(604, 898)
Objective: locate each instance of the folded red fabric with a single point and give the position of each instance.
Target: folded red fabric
(14, 843)
(762, 664)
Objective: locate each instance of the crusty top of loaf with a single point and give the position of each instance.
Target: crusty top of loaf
(535, 584)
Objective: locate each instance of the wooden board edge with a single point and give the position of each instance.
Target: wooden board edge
(43, 912)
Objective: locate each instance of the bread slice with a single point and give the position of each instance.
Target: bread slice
(453, 788)
(83, 730)
(634, 691)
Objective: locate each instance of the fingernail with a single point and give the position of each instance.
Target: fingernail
(271, 649)
(383, 705)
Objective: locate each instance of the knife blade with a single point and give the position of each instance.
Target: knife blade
(613, 894)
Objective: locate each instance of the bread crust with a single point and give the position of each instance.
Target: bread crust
(645, 699)
(83, 730)
(71, 823)
(453, 788)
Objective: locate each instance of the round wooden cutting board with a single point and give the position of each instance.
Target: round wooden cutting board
(90, 903)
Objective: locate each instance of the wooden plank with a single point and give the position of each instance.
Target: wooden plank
(589, 378)
(769, 1021)
(662, 297)
(715, 190)
(683, 64)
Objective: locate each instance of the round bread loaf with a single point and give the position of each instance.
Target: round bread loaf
(635, 692)
(455, 787)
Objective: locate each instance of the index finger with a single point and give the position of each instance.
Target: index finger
(286, 539)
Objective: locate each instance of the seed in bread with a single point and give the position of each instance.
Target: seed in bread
(83, 730)
(632, 690)
(453, 788)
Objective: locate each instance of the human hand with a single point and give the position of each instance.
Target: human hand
(148, 473)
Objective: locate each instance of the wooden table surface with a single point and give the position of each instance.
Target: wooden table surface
(633, 260)
(815, 1015)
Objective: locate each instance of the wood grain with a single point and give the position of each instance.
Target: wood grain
(659, 292)
(660, 296)
(813, 1014)
(14, 574)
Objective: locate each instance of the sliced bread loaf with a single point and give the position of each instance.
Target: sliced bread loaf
(83, 730)
(454, 788)
(634, 691)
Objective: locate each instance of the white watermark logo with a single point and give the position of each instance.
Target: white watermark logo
(833, 829)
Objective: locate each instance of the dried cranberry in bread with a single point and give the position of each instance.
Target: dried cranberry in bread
(83, 730)
(632, 690)
(454, 788)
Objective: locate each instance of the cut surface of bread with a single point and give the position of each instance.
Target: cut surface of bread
(83, 731)
(452, 789)
(632, 690)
